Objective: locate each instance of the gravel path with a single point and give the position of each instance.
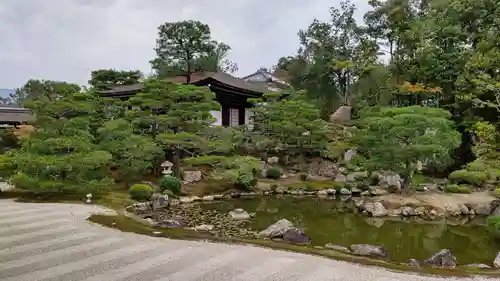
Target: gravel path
(55, 242)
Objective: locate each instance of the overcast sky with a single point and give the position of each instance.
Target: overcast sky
(66, 39)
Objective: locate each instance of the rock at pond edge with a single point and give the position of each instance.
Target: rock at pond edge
(276, 229)
(368, 250)
(443, 258)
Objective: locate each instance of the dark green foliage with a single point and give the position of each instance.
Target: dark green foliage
(396, 138)
(185, 47)
(141, 192)
(133, 155)
(290, 126)
(454, 188)
(105, 79)
(273, 173)
(471, 177)
(170, 183)
(61, 155)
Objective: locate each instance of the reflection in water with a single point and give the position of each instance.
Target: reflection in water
(337, 222)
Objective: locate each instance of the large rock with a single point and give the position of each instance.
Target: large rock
(239, 214)
(376, 209)
(342, 114)
(496, 262)
(368, 250)
(275, 230)
(296, 236)
(192, 176)
(322, 169)
(340, 178)
(443, 258)
(483, 209)
(273, 160)
(349, 154)
(159, 201)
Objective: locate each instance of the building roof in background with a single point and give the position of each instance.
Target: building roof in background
(198, 78)
(15, 115)
(264, 78)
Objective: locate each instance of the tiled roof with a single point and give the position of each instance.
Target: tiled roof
(195, 79)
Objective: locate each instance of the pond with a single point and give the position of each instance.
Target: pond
(334, 221)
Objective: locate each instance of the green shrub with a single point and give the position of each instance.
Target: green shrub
(454, 188)
(246, 181)
(241, 171)
(477, 166)
(141, 192)
(273, 173)
(303, 177)
(205, 160)
(496, 192)
(472, 177)
(170, 183)
(493, 223)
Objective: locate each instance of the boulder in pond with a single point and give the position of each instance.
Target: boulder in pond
(443, 258)
(496, 262)
(277, 229)
(239, 214)
(296, 236)
(414, 263)
(369, 250)
(376, 209)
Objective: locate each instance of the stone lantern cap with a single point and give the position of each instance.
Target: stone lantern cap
(166, 164)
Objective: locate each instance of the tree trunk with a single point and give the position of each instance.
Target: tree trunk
(408, 177)
(177, 163)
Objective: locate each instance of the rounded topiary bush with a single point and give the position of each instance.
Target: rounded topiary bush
(170, 183)
(454, 188)
(471, 177)
(273, 173)
(141, 192)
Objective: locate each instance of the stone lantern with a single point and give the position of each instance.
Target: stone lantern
(167, 168)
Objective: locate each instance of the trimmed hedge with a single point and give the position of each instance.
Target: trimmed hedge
(454, 188)
(170, 183)
(273, 173)
(141, 192)
(471, 177)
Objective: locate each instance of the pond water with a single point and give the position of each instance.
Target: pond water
(334, 221)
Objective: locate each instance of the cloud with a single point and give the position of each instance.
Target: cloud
(65, 40)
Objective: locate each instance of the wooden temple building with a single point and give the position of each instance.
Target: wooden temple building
(232, 94)
(15, 116)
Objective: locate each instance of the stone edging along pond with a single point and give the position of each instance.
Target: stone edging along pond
(284, 231)
(369, 205)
